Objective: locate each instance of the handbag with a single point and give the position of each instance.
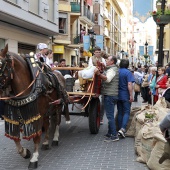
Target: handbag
(136, 87)
(160, 90)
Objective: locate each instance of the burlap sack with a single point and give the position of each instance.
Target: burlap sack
(161, 103)
(136, 123)
(153, 162)
(147, 132)
(138, 146)
(134, 110)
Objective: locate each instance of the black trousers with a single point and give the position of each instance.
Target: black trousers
(145, 93)
(2, 104)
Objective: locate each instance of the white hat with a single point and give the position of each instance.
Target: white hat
(41, 46)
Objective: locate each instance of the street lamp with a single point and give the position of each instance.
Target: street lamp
(122, 52)
(92, 39)
(161, 36)
(146, 52)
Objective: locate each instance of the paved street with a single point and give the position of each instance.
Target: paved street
(77, 150)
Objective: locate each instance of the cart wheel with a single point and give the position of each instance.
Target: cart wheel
(94, 115)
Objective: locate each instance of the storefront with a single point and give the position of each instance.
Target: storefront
(58, 51)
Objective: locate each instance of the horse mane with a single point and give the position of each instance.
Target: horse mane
(20, 58)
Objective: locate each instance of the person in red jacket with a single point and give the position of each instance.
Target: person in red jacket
(161, 82)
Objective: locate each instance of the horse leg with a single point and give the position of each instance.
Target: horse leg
(66, 113)
(34, 160)
(45, 144)
(24, 152)
(56, 136)
(56, 122)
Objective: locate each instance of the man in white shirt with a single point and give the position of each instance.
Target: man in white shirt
(96, 57)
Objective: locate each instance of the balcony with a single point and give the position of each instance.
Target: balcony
(75, 7)
(105, 14)
(87, 17)
(106, 33)
(75, 11)
(76, 39)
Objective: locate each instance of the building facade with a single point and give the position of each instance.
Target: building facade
(24, 24)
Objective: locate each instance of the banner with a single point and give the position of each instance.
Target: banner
(141, 50)
(150, 50)
(86, 42)
(99, 41)
(142, 9)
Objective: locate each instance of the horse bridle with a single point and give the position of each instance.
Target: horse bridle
(6, 71)
(7, 63)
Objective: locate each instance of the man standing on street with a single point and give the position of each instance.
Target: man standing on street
(110, 81)
(126, 80)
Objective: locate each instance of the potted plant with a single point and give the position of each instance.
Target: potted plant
(161, 18)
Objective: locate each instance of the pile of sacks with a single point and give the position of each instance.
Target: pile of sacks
(149, 140)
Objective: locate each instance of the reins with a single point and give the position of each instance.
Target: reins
(19, 94)
(91, 91)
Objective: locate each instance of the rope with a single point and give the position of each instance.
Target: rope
(89, 95)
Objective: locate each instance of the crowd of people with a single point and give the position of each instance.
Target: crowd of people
(152, 82)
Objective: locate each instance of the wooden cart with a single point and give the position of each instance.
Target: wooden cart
(89, 100)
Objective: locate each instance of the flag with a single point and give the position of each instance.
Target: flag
(86, 42)
(141, 50)
(142, 9)
(150, 50)
(99, 41)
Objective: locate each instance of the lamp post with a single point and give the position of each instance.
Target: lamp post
(161, 36)
(122, 52)
(146, 52)
(92, 38)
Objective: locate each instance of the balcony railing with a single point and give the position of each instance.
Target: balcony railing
(75, 7)
(76, 39)
(88, 14)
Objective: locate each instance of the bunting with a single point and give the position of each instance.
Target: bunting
(141, 50)
(99, 41)
(142, 9)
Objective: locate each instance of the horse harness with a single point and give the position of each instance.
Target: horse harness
(21, 113)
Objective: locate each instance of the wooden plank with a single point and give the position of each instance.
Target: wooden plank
(67, 68)
(81, 93)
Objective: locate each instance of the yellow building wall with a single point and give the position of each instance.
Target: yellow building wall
(64, 7)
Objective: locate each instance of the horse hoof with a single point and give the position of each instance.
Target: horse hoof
(55, 143)
(28, 154)
(45, 147)
(33, 165)
(68, 122)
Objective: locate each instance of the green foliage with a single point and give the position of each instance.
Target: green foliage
(149, 115)
(159, 13)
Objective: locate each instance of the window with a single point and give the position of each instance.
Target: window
(51, 10)
(34, 6)
(13, 1)
(62, 23)
(2, 44)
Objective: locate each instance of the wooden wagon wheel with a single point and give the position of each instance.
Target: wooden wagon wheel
(94, 115)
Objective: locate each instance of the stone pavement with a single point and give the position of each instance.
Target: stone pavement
(77, 150)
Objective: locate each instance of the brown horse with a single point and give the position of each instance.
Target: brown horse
(29, 94)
